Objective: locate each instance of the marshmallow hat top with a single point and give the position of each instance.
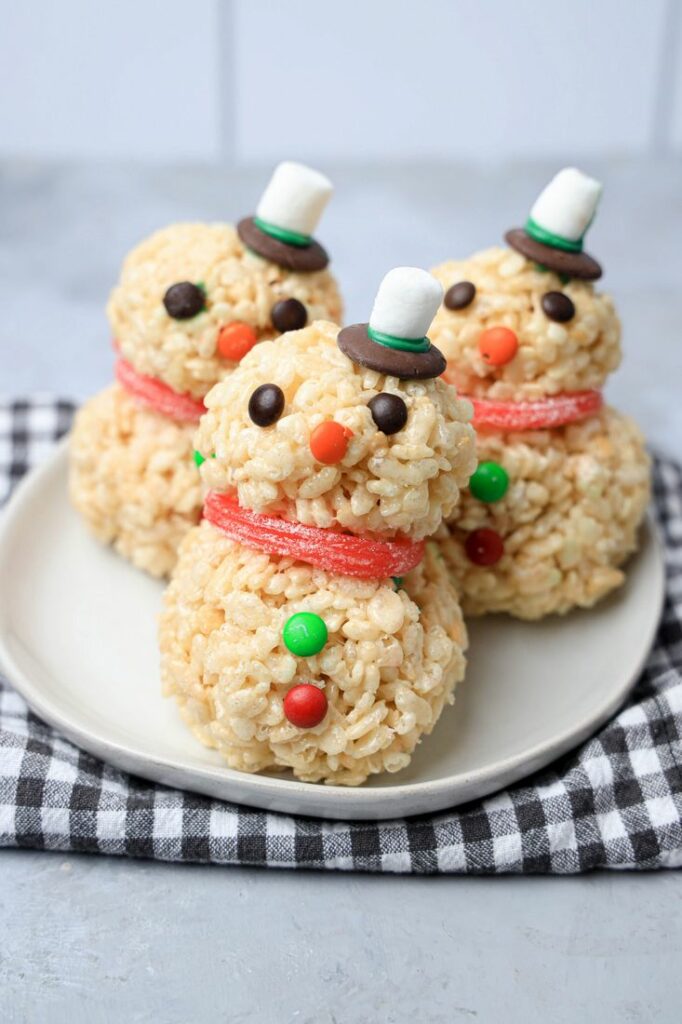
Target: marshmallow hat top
(294, 198)
(553, 234)
(566, 206)
(394, 341)
(406, 302)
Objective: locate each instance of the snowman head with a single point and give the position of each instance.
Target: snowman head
(193, 299)
(525, 323)
(512, 331)
(304, 431)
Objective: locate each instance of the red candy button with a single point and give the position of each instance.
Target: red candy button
(235, 340)
(498, 345)
(484, 547)
(367, 558)
(540, 415)
(329, 442)
(305, 705)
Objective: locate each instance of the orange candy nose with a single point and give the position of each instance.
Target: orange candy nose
(498, 345)
(329, 442)
(235, 340)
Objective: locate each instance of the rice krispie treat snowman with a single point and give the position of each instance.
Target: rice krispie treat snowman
(193, 299)
(307, 625)
(553, 508)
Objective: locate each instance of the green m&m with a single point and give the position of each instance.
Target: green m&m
(199, 459)
(489, 482)
(304, 634)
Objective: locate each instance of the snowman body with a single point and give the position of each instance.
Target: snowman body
(132, 475)
(573, 495)
(393, 647)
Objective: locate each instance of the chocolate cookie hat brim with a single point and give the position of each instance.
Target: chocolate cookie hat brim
(405, 364)
(573, 264)
(304, 259)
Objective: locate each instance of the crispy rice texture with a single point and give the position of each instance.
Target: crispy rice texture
(576, 497)
(403, 483)
(239, 286)
(552, 357)
(133, 478)
(390, 665)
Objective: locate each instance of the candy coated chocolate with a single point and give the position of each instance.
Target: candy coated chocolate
(498, 345)
(484, 547)
(184, 300)
(460, 295)
(389, 412)
(235, 340)
(489, 482)
(305, 705)
(266, 405)
(289, 315)
(329, 442)
(557, 306)
(304, 634)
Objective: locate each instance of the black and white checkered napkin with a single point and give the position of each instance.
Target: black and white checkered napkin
(614, 803)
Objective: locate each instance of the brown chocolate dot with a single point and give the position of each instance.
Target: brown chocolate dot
(266, 405)
(558, 306)
(289, 315)
(184, 300)
(460, 295)
(389, 412)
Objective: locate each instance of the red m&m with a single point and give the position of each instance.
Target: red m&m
(305, 705)
(484, 547)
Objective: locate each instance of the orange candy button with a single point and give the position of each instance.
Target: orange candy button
(498, 345)
(235, 340)
(329, 442)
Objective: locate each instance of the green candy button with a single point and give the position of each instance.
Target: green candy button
(304, 634)
(489, 482)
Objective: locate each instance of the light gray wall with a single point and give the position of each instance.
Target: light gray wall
(256, 80)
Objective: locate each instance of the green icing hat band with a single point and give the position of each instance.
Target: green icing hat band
(402, 344)
(282, 234)
(546, 237)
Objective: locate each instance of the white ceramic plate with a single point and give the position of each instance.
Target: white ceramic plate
(77, 639)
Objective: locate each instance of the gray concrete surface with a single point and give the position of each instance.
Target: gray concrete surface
(88, 939)
(100, 941)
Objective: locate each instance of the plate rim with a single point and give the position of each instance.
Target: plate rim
(292, 795)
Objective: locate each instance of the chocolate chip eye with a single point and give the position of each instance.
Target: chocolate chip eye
(389, 412)
(557, 306)
(184, 300)
(460, 295)
(266, 405)
(289, 315)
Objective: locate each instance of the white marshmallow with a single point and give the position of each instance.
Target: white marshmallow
(295, 198)
(407, 301)
(567, 205)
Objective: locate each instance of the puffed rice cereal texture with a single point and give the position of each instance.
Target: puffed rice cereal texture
(552, 357)
(403, 483)
(133, 478)
(390, 665)
(576, 497)
(239, 286)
